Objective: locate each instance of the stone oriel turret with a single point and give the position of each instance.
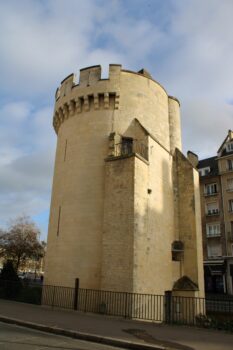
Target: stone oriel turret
(115, 208)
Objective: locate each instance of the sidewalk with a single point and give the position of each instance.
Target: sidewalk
(144, 333)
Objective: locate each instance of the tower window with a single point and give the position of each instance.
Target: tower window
(127, 146)
(65, 151)
(58, 221)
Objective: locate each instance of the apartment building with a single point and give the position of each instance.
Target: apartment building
(216, 188)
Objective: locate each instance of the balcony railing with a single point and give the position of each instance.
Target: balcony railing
(215, 234)
(129, 148)
(210, 193)
(212, 212)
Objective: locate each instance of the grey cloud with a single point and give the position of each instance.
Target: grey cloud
(28, 173)
(202, 58)
(205, 124)
(16, 204)
(44, 43)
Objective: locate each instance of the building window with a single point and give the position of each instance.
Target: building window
(213, 230)
(204, 171)
(212, 208)
(230, 205)
(210, 189)
(229, 164)
(231, 232)
(214, 249)
(229, 147)
(230, 184)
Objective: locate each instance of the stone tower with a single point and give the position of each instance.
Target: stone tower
(125, 211)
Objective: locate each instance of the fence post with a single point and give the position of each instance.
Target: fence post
(54, 290)
(168, 306)
(126, 304)
(76, 294)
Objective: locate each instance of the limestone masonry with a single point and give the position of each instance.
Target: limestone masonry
(125, 208)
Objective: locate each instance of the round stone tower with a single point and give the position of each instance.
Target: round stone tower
(113, 182)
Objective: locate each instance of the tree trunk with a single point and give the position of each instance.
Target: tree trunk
(18, 262)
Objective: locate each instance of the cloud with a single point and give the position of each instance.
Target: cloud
(30, 172)
(15, 111)
(205, 125)
(186, 45)
(45, 41)
(26, 159)
(203, 54)
(13, 205)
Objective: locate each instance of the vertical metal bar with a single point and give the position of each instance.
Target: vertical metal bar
(126, 304)
(114, 304)
(53, 296)
(85, 304)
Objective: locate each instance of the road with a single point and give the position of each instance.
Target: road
(19, 338)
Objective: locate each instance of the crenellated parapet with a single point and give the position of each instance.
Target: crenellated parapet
(91, 93)
(85, 103)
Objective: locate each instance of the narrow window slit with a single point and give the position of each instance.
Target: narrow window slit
(65, 151)
(58, 223)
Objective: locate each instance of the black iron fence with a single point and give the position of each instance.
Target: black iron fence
(157, 308)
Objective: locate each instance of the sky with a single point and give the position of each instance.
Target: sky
(187, 45)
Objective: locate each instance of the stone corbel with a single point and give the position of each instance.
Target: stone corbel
(96, 101)
(86, 104)
(66, 111)
(60, 115)
(55, 121)
(117, 101)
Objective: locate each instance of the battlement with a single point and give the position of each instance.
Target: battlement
(90, 91)
(88, 76)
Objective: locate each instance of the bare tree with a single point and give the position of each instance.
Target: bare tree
(20, 242)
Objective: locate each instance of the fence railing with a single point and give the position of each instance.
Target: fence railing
(158, 308)
(127, 149)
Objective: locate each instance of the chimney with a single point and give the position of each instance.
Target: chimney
(230, 134)
(193, 158)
